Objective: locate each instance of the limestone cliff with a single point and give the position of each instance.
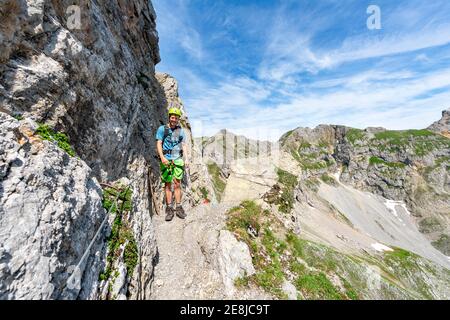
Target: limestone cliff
(408, 165)
(94, 87)
(50, 209)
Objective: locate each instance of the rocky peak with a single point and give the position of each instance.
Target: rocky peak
(443, 125)
(225, 146)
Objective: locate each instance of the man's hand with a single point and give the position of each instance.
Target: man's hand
(164, 161)
(160, 153)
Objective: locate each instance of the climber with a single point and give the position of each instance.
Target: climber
(171, 149)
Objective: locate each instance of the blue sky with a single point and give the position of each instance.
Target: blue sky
(261, 68)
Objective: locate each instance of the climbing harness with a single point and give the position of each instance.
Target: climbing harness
(174, 169)
(176, 133)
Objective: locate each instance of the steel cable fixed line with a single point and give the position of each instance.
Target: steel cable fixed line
(73, 281)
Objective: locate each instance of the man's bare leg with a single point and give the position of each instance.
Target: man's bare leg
(177, 190)
(169, 209)
(168, 189)
(179, 209)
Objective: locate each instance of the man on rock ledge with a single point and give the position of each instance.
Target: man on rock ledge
(171, 148)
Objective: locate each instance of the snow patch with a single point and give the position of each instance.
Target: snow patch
(337, 176)
(381, 247)
(391, 204)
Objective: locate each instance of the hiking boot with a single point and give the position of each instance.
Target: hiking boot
(169, 213)
(180, 212)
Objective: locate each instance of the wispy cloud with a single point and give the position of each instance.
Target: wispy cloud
(175, 25)
(363, 48)
(361, 100)
(291, 52)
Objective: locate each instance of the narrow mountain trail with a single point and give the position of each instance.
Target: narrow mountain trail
(183, 270)
(190, 259)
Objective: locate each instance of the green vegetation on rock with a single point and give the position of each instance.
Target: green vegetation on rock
(410, 267)
(61, 139)
(317, 286)
(309, 161)
(398, 136)
(121, 235)
(111, 193)
(286, 178)
(421, 141)
(354, 135)
(241, 217)
(377, 160)
(130, 255)
(304, 145)
(313, 157)
(285, 136)
(328, 180)
(276, 259)
(318, 271)
(288, 182)
(218, 182)
(204, 192)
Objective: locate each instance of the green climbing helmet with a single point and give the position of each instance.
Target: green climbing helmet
(175, 111)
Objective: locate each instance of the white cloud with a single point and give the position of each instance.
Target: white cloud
(175, 26)
(422, 58)
(399, 101)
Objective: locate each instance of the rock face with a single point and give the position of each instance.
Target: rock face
(234, 261)
(410, 166)
(95, 83)
(87, 71)
(50, 210)
(369, 207)
(443, 125)
(223, 153)
(225, 146)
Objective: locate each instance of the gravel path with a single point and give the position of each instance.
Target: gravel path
(182, 271)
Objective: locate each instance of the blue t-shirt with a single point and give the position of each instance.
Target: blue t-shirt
(172, 142)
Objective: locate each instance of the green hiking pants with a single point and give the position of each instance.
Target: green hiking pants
(174, 169)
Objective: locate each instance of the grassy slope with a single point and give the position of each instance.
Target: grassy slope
(320, 272)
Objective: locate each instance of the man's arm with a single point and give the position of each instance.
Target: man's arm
(160, 152)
